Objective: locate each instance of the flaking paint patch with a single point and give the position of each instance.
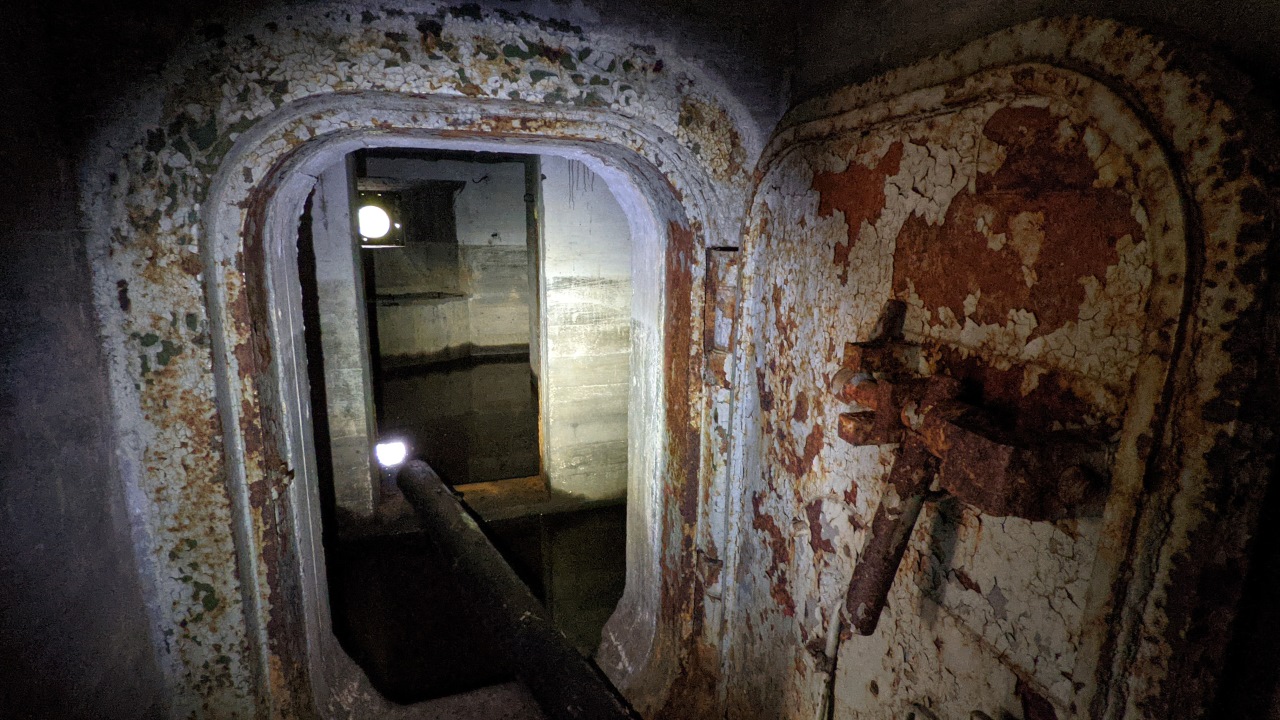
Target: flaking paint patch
(1037, 234)
(858, 193)
(780, 562)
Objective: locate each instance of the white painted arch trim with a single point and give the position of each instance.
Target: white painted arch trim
(269, 158)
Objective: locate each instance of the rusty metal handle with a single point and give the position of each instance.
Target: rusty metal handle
(891, 528)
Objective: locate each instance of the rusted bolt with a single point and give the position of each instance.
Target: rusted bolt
(842, 377)
(868, 428)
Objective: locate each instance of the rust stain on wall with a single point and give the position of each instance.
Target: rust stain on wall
(1027, 237)
(799, 463)
(801, 413)
(1044, 237)
(858, 193)
(817, 539)
(683, 588)
(764, 389)
(1057, 399)
(268, 475)
(679, 370)
(780, 551)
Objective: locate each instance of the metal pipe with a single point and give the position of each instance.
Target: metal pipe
(566, 685)
(908, 483)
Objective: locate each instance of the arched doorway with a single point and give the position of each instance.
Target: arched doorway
(270, 230)
(498, 285)
(196, 182)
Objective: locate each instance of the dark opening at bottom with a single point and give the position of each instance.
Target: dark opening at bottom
(408, 623)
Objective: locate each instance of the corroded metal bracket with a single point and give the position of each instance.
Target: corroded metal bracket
(946, 445)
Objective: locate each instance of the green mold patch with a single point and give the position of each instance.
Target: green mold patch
(206, 595)
(168, 351)
(532, 49)
(205, 134)
(469, 11)
(516, 52)
(185, 544)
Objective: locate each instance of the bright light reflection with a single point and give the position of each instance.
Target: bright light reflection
(391, 454)
(374, 221)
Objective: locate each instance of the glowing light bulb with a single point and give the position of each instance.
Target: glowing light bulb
(374, 222)
(390, 454)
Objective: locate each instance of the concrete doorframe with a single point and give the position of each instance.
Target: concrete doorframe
(258, 220)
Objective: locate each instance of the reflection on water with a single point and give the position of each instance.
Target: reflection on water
(471, 420)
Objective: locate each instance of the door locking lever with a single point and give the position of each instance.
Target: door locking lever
(943, 446)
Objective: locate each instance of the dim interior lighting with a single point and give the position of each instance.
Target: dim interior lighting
(392, 453)
(374, 221)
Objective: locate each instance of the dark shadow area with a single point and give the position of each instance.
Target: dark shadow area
(409, 623)
(1251, 672)
(472, 420)
(585, 570)
(574, 562)
(405, 621)
(315, 373)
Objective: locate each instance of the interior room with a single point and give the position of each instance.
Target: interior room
(478, 319)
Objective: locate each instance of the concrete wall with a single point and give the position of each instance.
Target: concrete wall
(533, 232)
(90, 658)
(76, 637)
(484, 279)
(586, 259)
(73, 628)
(852, 41)
(344, 339)
(472, 424)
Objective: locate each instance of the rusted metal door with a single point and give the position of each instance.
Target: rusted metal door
(1017, 251)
